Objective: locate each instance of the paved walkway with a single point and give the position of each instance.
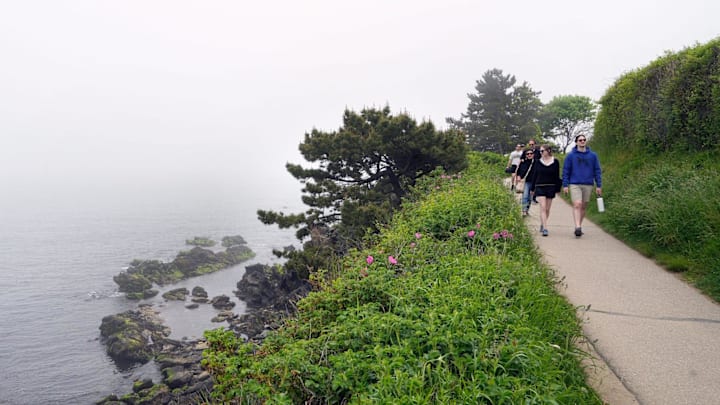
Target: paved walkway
(659, 336)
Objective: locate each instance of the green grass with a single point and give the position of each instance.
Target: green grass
(668, 209)
(468, 314)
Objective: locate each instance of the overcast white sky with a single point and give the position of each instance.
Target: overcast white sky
(116, 91)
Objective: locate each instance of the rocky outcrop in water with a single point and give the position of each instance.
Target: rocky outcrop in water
(138, 279)
(133, 336)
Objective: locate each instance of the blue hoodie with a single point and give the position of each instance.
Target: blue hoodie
(582, 168)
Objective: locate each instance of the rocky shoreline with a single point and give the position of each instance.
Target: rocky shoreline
(139, 336)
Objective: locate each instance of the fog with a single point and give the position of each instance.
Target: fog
(104, 97)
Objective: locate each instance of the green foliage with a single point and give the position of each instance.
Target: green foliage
(501, 113)
(667, 209)
(658, 132)
(359, 176)
(456, 309)
(565, 117)
(672, 104)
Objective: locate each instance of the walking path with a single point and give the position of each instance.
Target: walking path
(659, 337)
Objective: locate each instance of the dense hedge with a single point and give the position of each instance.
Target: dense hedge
(657, 135)
(450, 304)
(671, 104)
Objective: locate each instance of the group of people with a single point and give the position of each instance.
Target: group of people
(540, 171)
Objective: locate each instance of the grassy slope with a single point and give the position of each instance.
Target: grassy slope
(467, 315)
(666, 207)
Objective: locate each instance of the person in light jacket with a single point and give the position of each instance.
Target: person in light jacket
(581, 171)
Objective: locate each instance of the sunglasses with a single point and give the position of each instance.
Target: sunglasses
(582, 140)
(542, 150)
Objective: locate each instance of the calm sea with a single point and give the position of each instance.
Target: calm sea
(58, 254)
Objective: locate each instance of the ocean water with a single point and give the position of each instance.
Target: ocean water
(59, 253)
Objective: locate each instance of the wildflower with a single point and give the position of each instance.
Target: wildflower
(412, 245)
(496, 236)
(510, 236)
(477, 225)
(392, 260)
(504, 233)
(369, 259)
(471, 234)
(418, 235)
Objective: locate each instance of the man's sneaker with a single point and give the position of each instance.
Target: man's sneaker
(545, 232)
(578, 232)
(541, 229)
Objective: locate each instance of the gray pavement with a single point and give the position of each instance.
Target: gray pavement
(658, 336)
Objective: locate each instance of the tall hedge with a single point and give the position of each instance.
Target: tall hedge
(671, 104)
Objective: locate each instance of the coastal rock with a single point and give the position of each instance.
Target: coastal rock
(233, 240)
(142, 384)
(177, 376)
(224, 316)
(270, 295)
(177, 294)
(139, 277)
(201, 241)
(133, 336)
(222, 302)
(263, 286)
(193, 305)
(199, 292)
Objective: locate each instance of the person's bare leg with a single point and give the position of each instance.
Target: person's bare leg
(578, 213)
(548, 204)
(543, 211)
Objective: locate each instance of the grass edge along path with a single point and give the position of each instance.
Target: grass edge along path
(451, 304)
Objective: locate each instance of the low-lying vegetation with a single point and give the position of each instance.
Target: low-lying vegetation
(448, 304)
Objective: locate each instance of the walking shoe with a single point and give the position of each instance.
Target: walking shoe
(524, 213)
(541, 228)
(578, 232)
(545, 232)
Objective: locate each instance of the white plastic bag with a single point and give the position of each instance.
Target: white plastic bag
(600, 204)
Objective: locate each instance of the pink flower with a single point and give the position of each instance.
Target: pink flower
(496, 236)
(412, 244)
(504, 233)
(510, 236)
(477, 225)
(392, 260)
(471, 234)
(418, 235)
(369, 259)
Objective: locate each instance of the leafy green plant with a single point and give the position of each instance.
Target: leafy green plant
(449, 304)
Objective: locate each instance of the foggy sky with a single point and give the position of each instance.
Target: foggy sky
(123, 92)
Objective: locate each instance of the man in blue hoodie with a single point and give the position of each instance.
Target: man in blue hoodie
(581, 170)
